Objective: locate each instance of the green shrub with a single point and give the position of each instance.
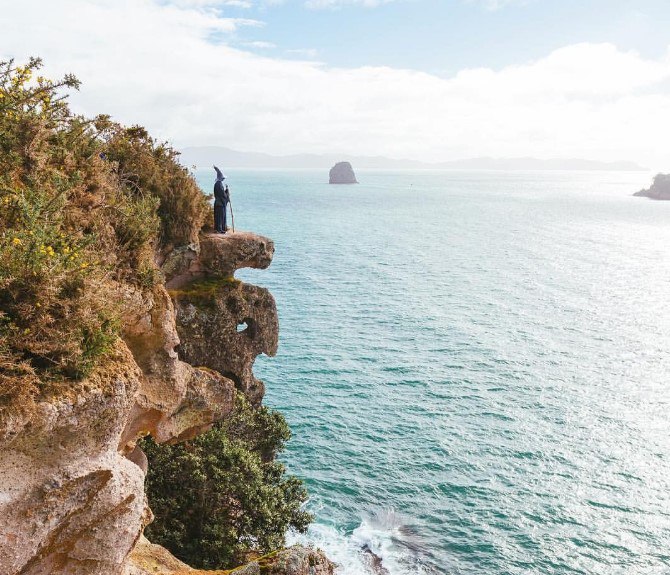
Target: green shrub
(221, 496)
(54, 263)
(137, 222)
(50, 275)
(148, 167)
(83, 206)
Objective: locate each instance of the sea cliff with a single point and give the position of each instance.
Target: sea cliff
(71, 474)
(120, 318)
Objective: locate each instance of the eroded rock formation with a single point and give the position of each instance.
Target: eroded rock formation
(148, 559)
(71, 476)
(225, 324)
(65, 484)
(342, 173)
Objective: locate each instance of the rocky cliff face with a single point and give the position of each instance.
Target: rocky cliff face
(659, 190)
(342, 173)
(148, 559)
(71, 476)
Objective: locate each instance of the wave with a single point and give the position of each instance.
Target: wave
(383, 544)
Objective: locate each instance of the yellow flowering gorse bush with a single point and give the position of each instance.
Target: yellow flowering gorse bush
(84, 207)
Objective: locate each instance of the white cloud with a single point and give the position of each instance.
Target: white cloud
(494, 5)
(309, 53)
(156, 65)
(260, 45)
(320, 4)
(210, 3)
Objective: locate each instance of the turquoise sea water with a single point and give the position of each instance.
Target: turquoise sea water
(474, 365)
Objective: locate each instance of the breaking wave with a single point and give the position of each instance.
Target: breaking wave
(383, 544)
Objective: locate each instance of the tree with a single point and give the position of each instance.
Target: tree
(221, 496)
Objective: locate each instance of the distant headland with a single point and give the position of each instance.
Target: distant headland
(205, 156)
(659, 190)
(342, 173)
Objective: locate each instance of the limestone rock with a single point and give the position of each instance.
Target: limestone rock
(342, 173)
(175, 400)
(296, 560)
(252, 568)
(70, 502)
(149, 559)
(150, 333)
(224, 325)
(218, 256)
(179, 262)
(222, 254)
(71, 475)
(659, 190)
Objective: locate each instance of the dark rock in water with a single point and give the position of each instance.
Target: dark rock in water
(342, 173)
(659, 190)
(374, 561)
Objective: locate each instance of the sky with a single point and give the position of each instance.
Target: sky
(430, 80)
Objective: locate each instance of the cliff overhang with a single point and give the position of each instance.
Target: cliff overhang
(71, 474)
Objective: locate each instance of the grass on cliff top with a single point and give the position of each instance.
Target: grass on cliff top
(205, 289)
(85, 204)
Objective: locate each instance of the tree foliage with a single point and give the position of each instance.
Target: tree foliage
(222, 495)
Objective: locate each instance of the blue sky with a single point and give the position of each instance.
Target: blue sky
(433, 80)
(444, 36)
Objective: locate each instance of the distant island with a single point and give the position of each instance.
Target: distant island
(659, 190)
(205, 156)
(342, 173)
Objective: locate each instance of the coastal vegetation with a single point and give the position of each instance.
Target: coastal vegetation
(84, 203)
(87, 209)
(222, 498)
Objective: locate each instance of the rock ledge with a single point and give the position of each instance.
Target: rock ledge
(149, 559)
(217, 256)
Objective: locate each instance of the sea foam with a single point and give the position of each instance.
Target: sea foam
(383, 544)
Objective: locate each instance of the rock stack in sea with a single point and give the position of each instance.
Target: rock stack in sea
(659, 190)
(342, 173)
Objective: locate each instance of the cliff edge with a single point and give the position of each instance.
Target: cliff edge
(71, 474)
(119, 319)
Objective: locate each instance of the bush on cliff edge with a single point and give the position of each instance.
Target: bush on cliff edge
(84, 206)
(222, 496)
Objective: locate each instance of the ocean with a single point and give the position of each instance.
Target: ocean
(474, 366)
